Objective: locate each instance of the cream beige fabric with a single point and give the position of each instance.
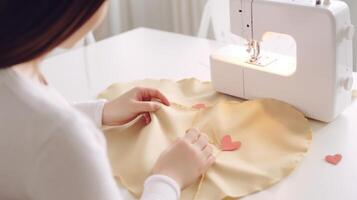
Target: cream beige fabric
(274, 136)
(184, 92)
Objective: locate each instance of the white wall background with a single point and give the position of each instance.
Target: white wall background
(181, 16)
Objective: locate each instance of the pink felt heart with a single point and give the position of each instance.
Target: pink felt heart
(333, 159)
(228, 145)
(199, 106)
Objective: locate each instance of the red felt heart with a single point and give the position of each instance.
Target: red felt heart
(333, 159)
(199, 106)
(228, 145)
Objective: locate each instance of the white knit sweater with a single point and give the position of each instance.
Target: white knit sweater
(52, 150)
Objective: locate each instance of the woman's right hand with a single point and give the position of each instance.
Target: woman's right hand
(186, 159)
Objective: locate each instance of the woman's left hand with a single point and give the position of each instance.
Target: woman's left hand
(137, 101)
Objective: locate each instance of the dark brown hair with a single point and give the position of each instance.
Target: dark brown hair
(29, 29)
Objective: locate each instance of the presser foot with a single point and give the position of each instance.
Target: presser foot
(261, 61)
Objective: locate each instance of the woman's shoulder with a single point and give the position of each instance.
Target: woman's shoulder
(23, 106)
(31, 112)
(34, 126)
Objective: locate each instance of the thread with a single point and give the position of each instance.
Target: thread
(199, 186)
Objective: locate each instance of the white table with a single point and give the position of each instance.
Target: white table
(143, 53)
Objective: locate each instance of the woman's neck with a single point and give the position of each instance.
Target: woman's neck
(31, 70)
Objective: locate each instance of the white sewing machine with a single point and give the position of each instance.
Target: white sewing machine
(317, 81)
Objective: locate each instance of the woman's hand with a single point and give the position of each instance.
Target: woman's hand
(138, 101)
(186, 159)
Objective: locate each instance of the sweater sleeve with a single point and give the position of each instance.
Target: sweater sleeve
(159, 187)
(73, 165)
(92, 109)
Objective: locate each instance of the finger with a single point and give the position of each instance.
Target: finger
(208, 163)
(211, 160)
(192, 135)
(147, 118)
(150, 93)
(207, 151)
(202, 141)
(148, 106)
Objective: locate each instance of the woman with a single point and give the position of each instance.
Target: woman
(52, 150)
